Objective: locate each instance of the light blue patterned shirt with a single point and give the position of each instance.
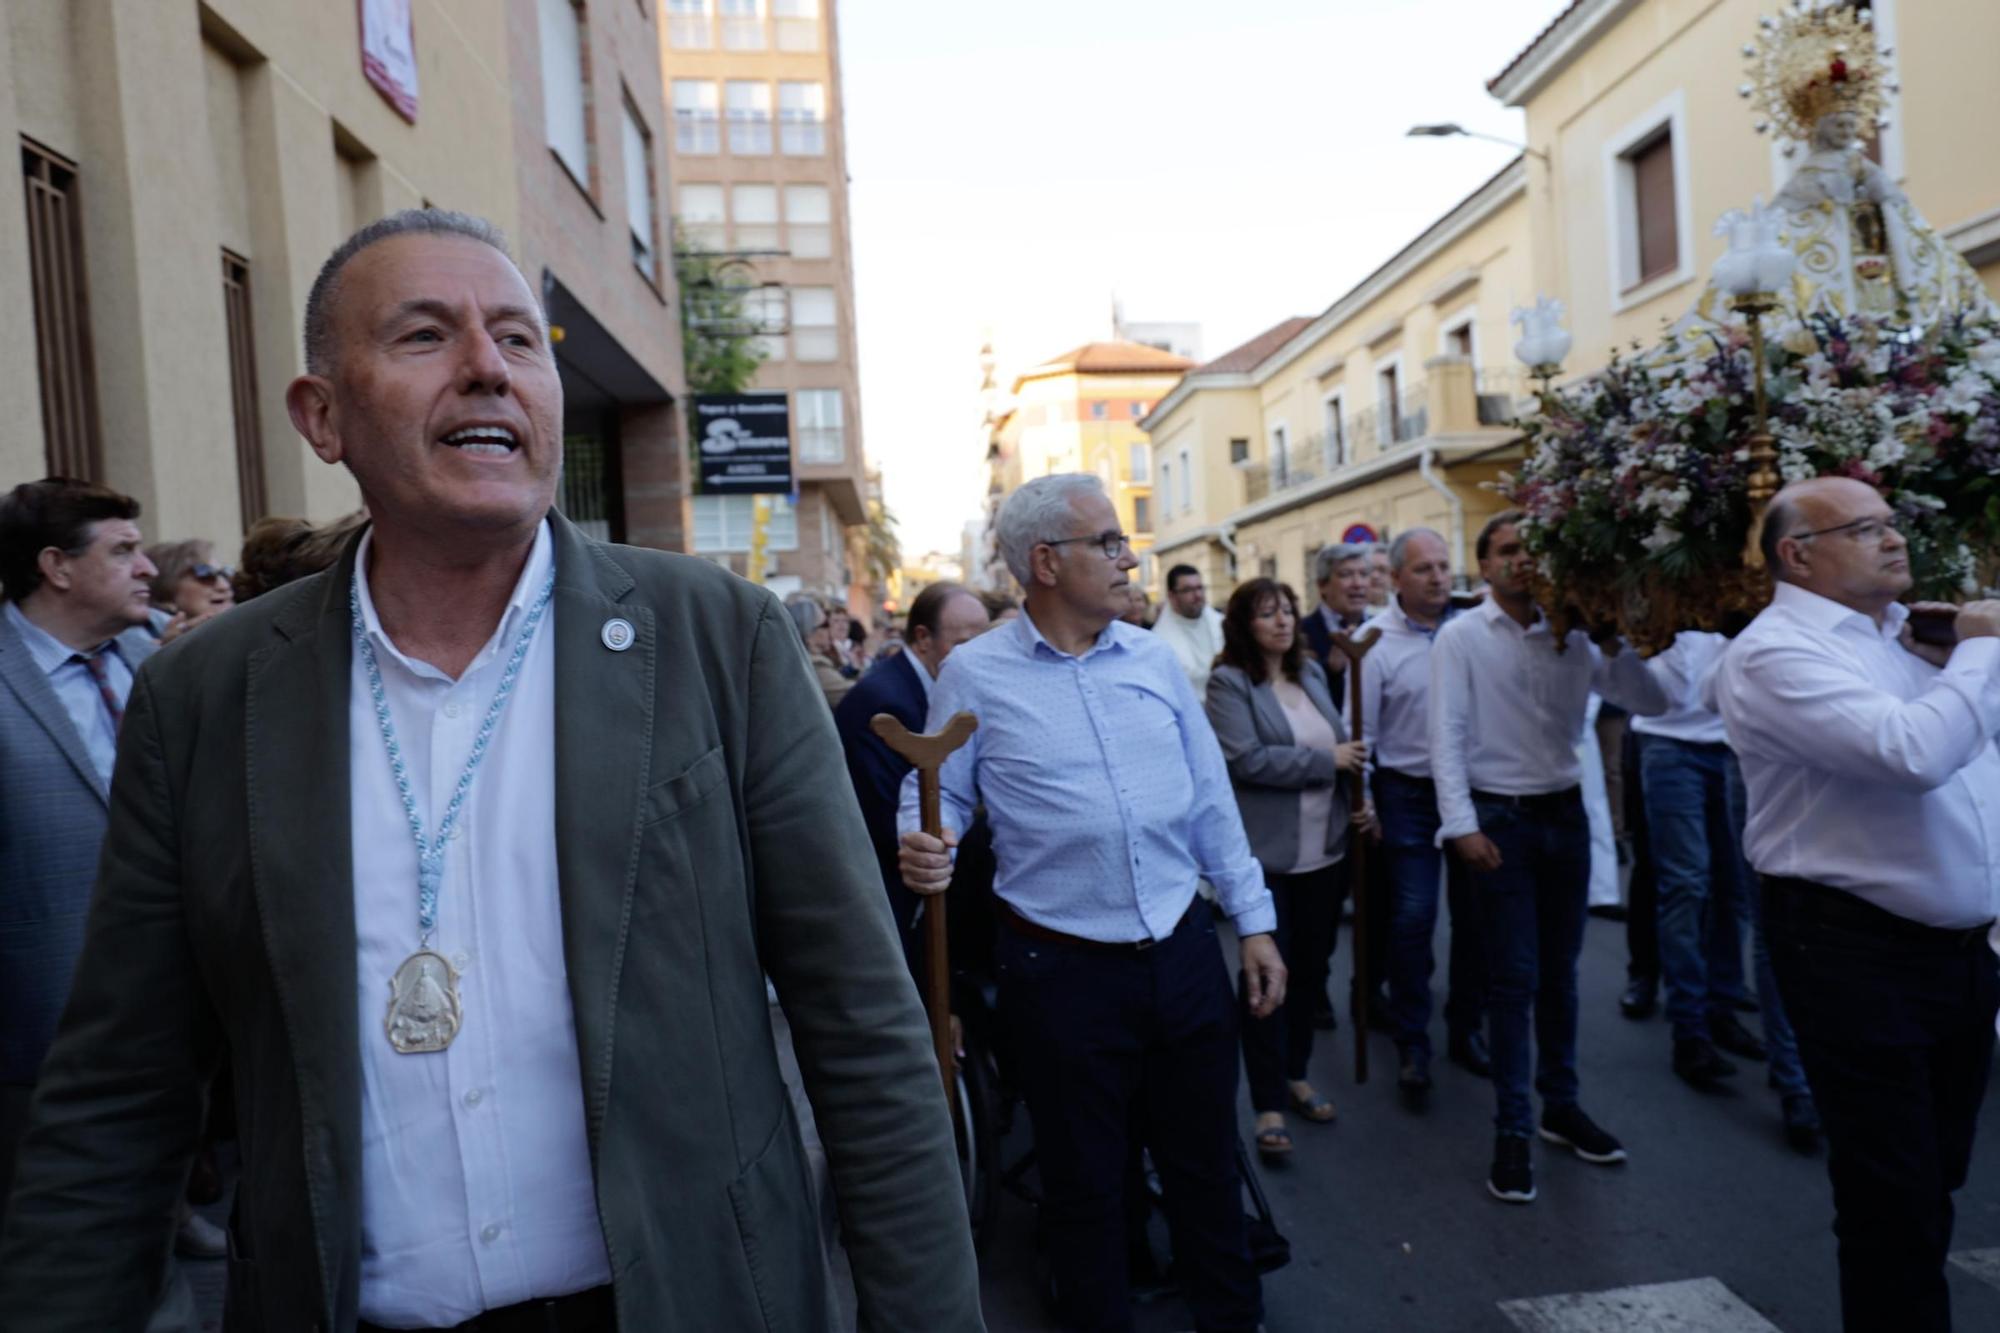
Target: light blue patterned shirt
(76, 689)
(1106, 790)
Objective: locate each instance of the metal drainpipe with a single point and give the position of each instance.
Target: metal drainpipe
(1225, 536)
(1462, 578)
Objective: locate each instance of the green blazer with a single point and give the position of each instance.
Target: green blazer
(706, 836)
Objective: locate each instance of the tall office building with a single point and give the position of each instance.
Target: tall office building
(757, 162)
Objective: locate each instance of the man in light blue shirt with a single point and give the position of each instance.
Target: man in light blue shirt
(1109, 799)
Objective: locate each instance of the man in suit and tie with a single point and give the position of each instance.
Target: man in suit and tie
(474, 851)
(72, 632)
(943, 616)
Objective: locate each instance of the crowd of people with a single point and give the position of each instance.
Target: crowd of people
(260, 879)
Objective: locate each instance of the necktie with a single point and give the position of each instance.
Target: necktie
(94, 662)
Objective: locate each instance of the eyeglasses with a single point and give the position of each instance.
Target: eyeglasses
(1868, 531)
(1111, 543)
(203, 573)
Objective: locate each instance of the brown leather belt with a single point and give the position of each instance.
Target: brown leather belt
(1020, 925)
(590, 1311)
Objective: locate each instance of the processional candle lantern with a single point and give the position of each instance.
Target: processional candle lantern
(1756, 268)
(1544, 341)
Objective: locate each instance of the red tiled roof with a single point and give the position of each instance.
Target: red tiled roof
(1540, 37)
(1111, 358)
(1255, 352)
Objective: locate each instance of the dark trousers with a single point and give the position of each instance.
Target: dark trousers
(1703, 878)
(1407, 808)
(1531, 914)
(1642, 895)
(1896, 1031)
(1278, 1046)
(1112, 1044)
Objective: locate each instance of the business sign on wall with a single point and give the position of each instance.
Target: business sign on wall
(745, 441)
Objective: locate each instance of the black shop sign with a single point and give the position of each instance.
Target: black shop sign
(745, 441)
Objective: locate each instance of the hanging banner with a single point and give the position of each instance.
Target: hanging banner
(389, 53)
(745, 441)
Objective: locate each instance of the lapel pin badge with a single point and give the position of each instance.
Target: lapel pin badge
(617, 634)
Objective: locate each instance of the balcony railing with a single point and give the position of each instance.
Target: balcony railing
(1454, 401)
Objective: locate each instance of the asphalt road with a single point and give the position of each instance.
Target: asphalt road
(1392, 1228)
(1714, 1226)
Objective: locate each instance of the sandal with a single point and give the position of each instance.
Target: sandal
(1273, 1143)
(1315, 1108)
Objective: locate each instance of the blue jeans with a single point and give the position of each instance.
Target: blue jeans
(1787, 1067)
(1531, 914)
(1702, 876)
(1407, 807)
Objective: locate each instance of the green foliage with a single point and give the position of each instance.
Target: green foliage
(718, 337)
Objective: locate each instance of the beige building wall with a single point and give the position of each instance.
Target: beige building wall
(1437, 315)
(243, 124)
(707, 48)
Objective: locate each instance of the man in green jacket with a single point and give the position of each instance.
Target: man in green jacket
(474, 853)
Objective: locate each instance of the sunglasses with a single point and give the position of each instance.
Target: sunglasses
(204, 573)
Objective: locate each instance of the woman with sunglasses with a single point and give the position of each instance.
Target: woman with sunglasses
(189, 588)
(1288, 756)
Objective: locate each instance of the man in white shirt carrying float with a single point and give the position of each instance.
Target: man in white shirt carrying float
(1506, 710)
(1874, 821)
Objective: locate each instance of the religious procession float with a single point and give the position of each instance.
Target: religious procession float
(1839, 335)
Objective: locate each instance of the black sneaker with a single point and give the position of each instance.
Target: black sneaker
(1512, 1179)
(1733, 1037)
(1696, 1062)
(1640, 997)
(1569, 1127)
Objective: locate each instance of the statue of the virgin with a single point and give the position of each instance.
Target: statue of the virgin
(1817, 78)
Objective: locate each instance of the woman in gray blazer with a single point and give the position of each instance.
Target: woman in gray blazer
(1287, 749)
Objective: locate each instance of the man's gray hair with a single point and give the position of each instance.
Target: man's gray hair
(1333, 557)
(805, 614)
(325, 294)
(1042, 510)
(1399, 547)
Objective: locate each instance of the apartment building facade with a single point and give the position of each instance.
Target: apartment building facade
(1387, 411)
(758, 162)
(186, 167)
(1080, 412)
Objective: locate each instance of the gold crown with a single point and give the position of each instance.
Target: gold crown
(1812, 63)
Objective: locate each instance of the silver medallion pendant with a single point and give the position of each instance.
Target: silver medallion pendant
(424, 1013)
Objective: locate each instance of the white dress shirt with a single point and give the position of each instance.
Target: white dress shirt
(1866, 767)
(1684, 671)
(1396, 691)
(476, 1183)
(76, 689)
(1195, 642)
(1507, 709)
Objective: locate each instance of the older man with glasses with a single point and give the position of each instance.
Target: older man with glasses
(1108, 798)
(1874, 820)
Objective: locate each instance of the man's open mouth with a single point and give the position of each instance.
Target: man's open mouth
(486, 441)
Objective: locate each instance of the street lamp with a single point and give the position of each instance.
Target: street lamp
(1453, 130)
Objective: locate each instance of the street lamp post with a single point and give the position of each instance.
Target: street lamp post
(1453, 130)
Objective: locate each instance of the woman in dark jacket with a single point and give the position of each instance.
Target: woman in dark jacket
(1287, 749)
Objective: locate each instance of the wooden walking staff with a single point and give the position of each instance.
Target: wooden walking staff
(1354, 647)
(927, 755)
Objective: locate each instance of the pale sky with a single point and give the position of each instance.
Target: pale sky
(1013, 166)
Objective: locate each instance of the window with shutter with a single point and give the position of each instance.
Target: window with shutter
(62, 320)
(243, 388)
(1657, 242)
